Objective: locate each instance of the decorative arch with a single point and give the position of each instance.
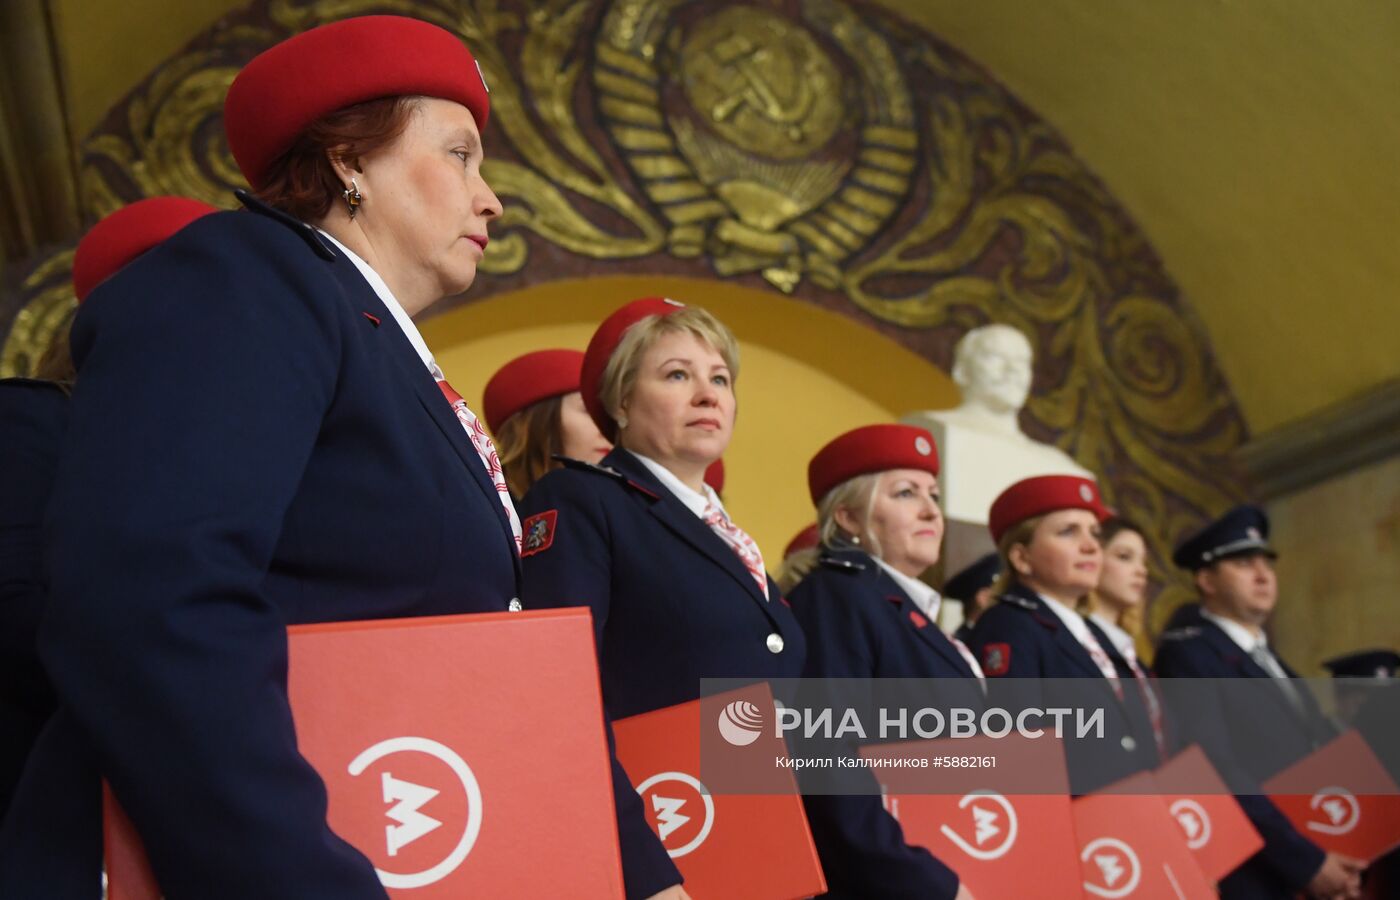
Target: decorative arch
(821, 148)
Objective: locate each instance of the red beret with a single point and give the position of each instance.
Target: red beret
(528, 379)
(600, 350)
(292, 84)
(874, 448)
(1041, 495)
(805, 539)
(126, 234)
(714, 475)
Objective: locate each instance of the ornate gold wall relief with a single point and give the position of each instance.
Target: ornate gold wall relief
(751, 132)
(818, 147)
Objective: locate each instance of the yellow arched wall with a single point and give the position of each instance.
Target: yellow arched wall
(1254, 141)
(806, 375)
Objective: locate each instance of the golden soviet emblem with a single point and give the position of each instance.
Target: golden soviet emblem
(771, 144)
(766, 86)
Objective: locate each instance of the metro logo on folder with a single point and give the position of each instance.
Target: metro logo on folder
(1215, 828)
(1341, 798)
(735, 846)
(1130, 847)
(456, 751)
(985, 826)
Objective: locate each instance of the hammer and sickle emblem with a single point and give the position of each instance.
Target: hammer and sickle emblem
(748, 61)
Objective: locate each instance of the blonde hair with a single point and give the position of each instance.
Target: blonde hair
(620, 374)
(1020, 533)
(795, 567)
(853, 493)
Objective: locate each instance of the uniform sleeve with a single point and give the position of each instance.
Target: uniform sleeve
(1200, 717)
(572, 566)
(32, 420)
(1005, 644)
(840, 641)
(205, 372)
(861, 845)
(569, 560)
(52, 839)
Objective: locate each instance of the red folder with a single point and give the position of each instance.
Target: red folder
(982, 827)
(735, 846)
(1130, 847)
(443, 742)
(1215, 828)
(1341, 798)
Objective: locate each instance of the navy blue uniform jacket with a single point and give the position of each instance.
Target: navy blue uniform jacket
(860, 624)
(1250, 734)
(248, 449)
(1021, 638)
(33, 417)
(671, 603)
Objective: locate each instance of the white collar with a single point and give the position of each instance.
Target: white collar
(694, 501)
(1071, 619)
(1116, 633)
(925, 598)
(381, 289)
(1238, 633)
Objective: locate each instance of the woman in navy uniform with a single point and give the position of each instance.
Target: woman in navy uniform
(34, 418)
(1047, 531)
(1116, 606)
(534, 410)
(867, 615)
(678, 591)
(1115, 603)
(1250, 729)
(259, 438)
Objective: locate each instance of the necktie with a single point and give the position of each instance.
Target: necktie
(738, 541)
(1266, 660)
(1149, 698)
(971, 661)
(1100, 658)
(481, 441)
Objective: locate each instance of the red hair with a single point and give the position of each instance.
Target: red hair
(302, 182)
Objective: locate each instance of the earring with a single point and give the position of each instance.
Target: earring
(855, 539)
(621, 422)
(353, 198)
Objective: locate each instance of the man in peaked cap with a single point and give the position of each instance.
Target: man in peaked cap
(1370, 664)
(973, 586)
(1360, 676)
(1253, 730)
(1368, 698)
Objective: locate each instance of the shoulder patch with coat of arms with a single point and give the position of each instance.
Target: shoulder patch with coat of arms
(537, 532)
(996, 659)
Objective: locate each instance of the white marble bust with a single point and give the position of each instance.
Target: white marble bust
(980, 443)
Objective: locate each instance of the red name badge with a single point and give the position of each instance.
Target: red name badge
(1341, 798)
(984, 823)
(1215, 828)
(460, 755)
(735, 846)
(1130, 847)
